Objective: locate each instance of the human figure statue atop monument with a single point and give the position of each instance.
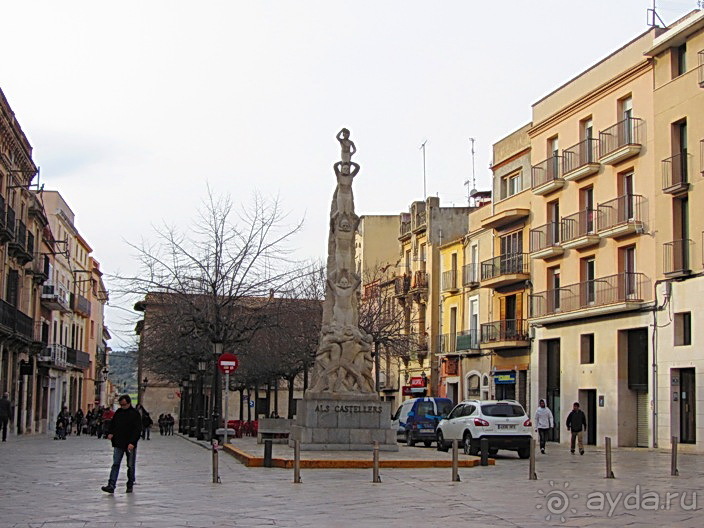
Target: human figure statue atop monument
(347, 146)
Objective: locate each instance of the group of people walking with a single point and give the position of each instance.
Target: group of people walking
(576, 425)
(93, 423)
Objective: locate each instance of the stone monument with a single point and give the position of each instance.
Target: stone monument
(341, 410)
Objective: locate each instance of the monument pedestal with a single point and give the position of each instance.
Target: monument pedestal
(339, 423)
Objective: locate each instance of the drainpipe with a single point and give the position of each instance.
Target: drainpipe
(654, 366)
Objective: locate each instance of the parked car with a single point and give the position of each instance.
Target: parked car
(504, 423)
(416, 419)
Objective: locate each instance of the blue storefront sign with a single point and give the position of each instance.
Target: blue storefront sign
(504, 378)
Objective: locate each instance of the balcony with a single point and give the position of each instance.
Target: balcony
(621, 216)
(402, 285)
(419, 284)
(470, 275)
(579, 230)
(505, 217)
(419, 221)
(55, 355)
(5, 233)
(676, 255)
(449, 281)
(465, 342)
(580, 160)
(546, 176)
(675, 174)
(614, 293)
(506, 333)
(77, 358)
(18, 247)
(405, 229)
(55, 298)
(545, 241)
(700, 55)
(621, 141)
(40, 268)
(80, 305)
(15, 323)
(505, 269)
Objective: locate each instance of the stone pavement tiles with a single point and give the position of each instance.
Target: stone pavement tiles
(56, 484)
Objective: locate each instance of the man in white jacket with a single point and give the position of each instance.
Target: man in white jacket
(543, 422)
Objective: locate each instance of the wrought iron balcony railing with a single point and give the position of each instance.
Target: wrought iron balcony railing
(675, 173)
(545, 236)
(579, 155)
(676, 256)
(505, 330)
(612, 289)
(626, 132)
(470, 274)
(624, 209)
(578, 225)
(546, 171)
(449, 280)
(511, 263)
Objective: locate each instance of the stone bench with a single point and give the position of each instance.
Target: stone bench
(274, 429)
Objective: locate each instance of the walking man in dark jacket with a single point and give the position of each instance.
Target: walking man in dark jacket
(5, 412)
(124, 431)
(576, 424)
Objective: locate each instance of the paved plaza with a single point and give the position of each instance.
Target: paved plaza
(56, 484)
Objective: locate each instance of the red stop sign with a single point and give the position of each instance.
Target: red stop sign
(228, 363)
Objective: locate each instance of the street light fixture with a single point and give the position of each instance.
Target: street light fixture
(183, 415)
(202, 365)
(193, 411)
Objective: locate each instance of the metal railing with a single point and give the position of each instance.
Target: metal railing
(80, 304)
(676, 255)
(470, 274)
(57, 293)
(10, 221)
(77, 358)
(546, 171)
(505, 330)
(612, 289)
(56, 354)
(626, 132)
(30, 243)
(420, 280)
(2, 212)
(21, 234)
(701, 68)
(675, 170)
(579, 155)
(449, 280)
(511, 263)
(621, 210)
(16, 321)
(402, 284)
(468, 339)
(578, 225)
(545, 236)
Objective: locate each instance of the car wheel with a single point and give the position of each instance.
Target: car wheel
(441, 443)
(427, 443)
(524, 452)
(467, 444)
(409, 439)
(493, 451)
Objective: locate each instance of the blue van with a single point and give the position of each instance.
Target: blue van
(416, 419)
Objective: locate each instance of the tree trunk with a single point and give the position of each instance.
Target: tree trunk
(276, 397)
(291, 381)
(268, 398)
(241, 391)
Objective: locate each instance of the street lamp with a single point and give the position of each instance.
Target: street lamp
(202, 365)
(193, 411)
(145, 382)
(183, 415)
(216, 391)
(103, 388)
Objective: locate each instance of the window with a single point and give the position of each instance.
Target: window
(679, 60)
(554, 289)
(683, 329)
(588, 288)
(586, 348)
(473, 386)
(510, 184)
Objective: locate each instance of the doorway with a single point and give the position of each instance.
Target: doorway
(688, 434)
(587, 399)
(553, 386)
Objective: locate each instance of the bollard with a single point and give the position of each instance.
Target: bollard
(607, 447)
(375, 471)
(455, 462)
(216, 472)
(484, 443)
(297, 462)
(673, 467)
(531, 467)
(267, 453)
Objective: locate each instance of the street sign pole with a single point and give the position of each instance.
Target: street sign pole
(227, 393)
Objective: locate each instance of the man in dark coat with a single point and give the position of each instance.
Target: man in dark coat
(124, 431)
(5, 412)
(577, 424)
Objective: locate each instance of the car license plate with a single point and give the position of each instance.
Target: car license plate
(506, 426)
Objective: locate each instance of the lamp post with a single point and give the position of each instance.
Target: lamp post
(104, 386)
(193, 411)
(216, 391)
(183, 415)
(145, 382)
(202, 365)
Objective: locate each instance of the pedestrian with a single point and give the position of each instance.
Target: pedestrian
(79, 421)
(162, 424)
(170, 421)
(576, 424)
(543, 422)
(61, 424)
(146, 424)
(124, 430)
(5, 412)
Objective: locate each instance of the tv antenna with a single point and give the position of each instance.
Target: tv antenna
(652, 15)
(422, 147)
(474, 180)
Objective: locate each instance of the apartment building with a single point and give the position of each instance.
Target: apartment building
(678, 155)
(376, 245)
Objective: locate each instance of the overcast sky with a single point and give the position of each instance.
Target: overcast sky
(133, 107)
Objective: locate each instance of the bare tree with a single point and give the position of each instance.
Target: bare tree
(210, 283)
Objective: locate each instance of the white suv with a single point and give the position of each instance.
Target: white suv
(503, 422)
